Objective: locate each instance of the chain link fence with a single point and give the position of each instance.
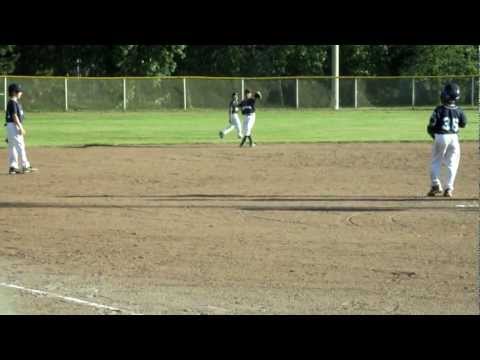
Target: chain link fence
(50, 94)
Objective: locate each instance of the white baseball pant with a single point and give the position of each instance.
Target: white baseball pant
(16, 147)
(234, 124)
(446, 150)
(248, 124)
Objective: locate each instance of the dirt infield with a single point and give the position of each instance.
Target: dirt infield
(278, 229)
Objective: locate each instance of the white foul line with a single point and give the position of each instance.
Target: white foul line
(67, 298)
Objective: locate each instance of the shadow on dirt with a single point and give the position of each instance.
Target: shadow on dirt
(31, 205)
(237, 197)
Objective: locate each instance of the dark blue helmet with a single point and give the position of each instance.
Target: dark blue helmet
(450, 93)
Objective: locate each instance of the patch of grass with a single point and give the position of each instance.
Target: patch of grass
(202, 126)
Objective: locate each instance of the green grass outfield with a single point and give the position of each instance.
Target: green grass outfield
(202, 126)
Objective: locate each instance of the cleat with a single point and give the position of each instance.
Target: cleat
(13, 171)
(253, 145)
(29, 169)
(448, 193)
(435, 190)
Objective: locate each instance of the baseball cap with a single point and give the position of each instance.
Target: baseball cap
(15, 88)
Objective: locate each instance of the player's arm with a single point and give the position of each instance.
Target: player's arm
(241, 104)
(17, 122)
(431, 124)
(462, 122)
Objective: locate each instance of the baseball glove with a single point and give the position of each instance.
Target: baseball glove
(258, 95)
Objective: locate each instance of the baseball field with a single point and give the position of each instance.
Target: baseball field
(327, 215)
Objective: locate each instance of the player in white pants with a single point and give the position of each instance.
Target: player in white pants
(233, 119)
(248, 124)
(248, 110)
(443, 127)
(17, 154)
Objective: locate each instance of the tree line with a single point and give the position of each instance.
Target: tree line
(241, 60)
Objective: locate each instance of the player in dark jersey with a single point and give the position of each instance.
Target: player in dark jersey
(248, 110)
(14, 118)
(443, 127)
(233, 119)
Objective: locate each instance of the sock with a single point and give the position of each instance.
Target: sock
(243, 141)
(250, 140)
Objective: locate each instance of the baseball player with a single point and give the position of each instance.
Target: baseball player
(16, 132)
(248, 110)
(233, 119)
(443, 127)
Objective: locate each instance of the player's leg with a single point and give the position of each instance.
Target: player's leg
(245, 130)
(251, 123)
(242, 142)
(228, 129)
(12, 148)
(452, 160)
(22, 152)
(438, 151)
(13, 167)
(238, 125)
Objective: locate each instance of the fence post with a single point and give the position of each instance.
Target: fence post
(413, 93)
(185, 94)
(124, 94)
(336, 76)
(5, 93)
(473, 90)
(243, 88)
(297, 99)
(66, 94)
(356, 93)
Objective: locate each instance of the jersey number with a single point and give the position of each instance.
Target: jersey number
(450, 125)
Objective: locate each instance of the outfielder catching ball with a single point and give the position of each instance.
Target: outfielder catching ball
(248, 110)
(443, 128)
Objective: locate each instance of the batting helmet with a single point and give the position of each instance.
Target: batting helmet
(450, 93)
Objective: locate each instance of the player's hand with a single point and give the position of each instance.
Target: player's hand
(23, 132)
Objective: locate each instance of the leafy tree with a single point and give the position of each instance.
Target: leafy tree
(442, 60)
(94, 60)
(8, 57)
(145, 60)
(237, 60)
(254, 60)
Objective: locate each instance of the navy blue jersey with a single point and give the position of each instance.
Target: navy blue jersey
(14, 107)
(234, 106)
(446, 119)
(248, 106)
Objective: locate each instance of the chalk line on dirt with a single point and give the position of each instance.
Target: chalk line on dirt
(67, 298)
